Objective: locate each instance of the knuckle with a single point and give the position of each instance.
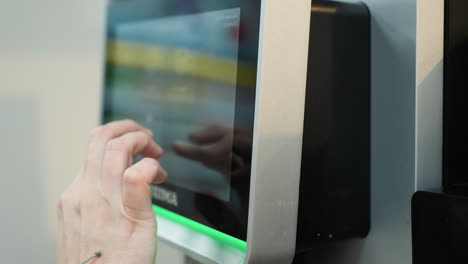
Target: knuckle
(77, 208)
(97, 133)
(121, 145)
(87, 203)
(62, 204)
(60, 209)
(68, 203)
(131, 123)
(146, 138)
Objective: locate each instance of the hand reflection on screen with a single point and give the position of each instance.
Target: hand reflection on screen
(227, 151)
(217, 147)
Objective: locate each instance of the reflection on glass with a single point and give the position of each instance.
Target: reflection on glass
(177, 74)
(186, 69)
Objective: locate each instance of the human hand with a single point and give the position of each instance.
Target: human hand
(107, 208)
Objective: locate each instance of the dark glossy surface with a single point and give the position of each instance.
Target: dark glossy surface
(455, 95)
(439, 228)
(186, 69)
(335, 175)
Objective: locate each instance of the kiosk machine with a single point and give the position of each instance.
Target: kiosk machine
(263, 110)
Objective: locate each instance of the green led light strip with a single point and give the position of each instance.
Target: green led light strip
(195, 226)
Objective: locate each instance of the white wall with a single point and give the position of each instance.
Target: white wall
(50, 75)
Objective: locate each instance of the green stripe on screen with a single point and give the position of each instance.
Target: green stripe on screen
(195, 226)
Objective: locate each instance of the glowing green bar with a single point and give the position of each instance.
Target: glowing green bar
(195, 226)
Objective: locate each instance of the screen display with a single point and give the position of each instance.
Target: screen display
(187, 71)
(177, 75)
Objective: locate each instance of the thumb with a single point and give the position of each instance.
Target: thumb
(136, 190)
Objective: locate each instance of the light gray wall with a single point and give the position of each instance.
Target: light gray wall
(49, 100)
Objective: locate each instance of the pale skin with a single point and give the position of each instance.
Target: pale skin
(107, 208)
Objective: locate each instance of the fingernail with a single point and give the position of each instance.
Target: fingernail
(160, 177)
(149, 132)
(160, 149)
(129, 173)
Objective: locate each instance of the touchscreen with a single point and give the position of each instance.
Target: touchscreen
(187, 71)
(177, 76)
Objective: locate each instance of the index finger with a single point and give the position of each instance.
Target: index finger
(98, 140)
(119, 156)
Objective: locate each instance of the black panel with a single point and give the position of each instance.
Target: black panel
(335, 175)
(455, 95)
(440, 228)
